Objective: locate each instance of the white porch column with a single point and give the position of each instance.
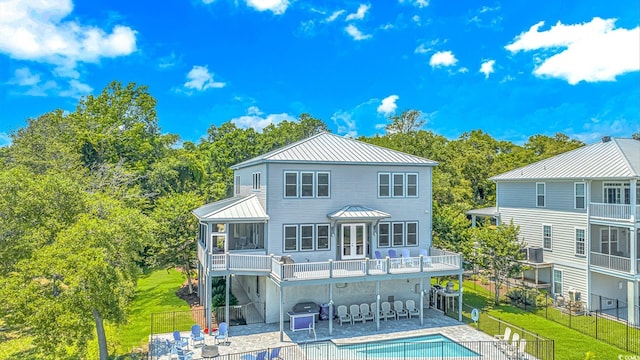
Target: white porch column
(281, 313)
(633, 249)
(421, 301)
(208, 301)
(632, 302)
(330, 309)
(460, 297)
(226, 298)
(378, 305)
(634, 196)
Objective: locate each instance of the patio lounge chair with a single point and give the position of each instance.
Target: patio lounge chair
(502, 339)
(386, 311)
(411, 308)
(511, 346)
(196, 335)
(342, 315)
(407, 261)
(259, 356)
(179, 340)
(517, 352)
(183, 355)
(366, 313)
(275, 353)
(380, 260)
(354, 311)
(401, 312)
(374, 309)
(222, 333)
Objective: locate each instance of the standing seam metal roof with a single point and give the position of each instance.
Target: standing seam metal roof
(242, 208)
(617, 158)
(329, 148)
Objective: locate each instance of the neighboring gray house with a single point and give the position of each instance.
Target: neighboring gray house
(582, 208)
(307, 220)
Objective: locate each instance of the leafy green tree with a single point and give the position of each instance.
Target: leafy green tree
(451, 229)
(86, 275)
(498, 251)
(405, 123)
(176, 232)
(545, 146)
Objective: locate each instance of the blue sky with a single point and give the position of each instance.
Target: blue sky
(510, 68)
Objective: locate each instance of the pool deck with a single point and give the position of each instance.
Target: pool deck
(250, 338)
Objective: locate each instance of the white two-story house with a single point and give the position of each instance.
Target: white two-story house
(307, 221)
(582, 209)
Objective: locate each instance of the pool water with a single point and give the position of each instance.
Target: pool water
(429, 346)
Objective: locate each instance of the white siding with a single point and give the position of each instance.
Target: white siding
(563, 232)
(573, 279)
(350, 185)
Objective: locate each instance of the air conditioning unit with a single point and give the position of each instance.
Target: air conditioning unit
(534, 254)
(574, 295)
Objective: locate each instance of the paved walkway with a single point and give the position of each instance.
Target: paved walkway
(251, 338)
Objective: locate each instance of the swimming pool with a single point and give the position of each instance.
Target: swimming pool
(420, 347)
(429, 346)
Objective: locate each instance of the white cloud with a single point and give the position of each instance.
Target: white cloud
(254, 119)
(355, 33)
(199, 78)
(386, 26)
(35, 30)
(591, 52)
(463, 70)
(487, 68)
(346, 124)
(360, 13)
(334, 15)
(5, 139)
(31, 83)
(277, 7)
(416, 19)
(169, 61)
(421, 49)
(443, 58)
(76, 89)
(417, 3)
(388, 105)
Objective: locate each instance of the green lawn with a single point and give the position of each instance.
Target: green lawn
(569, 344)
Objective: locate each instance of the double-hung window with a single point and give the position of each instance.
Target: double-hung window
(579, 189)
(323, 187)
(547, 240)
(398, 234)
(540, 194)
(290, 184)
(580, 241)
(398, 185)
(384, 185)
(557, 281)
(236, 184)
(322, 236)
(306, 237)
(306, 186)
(412, 234)
(290, 238)
(383, 235)
(412, 185)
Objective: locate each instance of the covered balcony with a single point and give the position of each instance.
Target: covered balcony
(608, 211)
(612, 248)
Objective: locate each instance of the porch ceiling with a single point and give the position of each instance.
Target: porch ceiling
(357, 212)
(236, 209)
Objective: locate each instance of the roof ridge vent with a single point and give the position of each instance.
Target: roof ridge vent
(606, 139)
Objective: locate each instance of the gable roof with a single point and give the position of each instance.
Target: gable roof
(235, 209)
(329, 148)
(357, 212)
(614, 159)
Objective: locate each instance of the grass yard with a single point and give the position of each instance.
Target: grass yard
(569, 344)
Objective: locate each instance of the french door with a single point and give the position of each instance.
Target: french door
(354, 241)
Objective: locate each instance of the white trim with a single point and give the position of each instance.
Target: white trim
(328, 173)
(553, 281)
(284, 193)
(393, 233)
(550, 237)
(576, 196)
(407, 185)
(544, 194)
(313, 184)
(313, 237)
(584, 242)
(284, 238)
(389, 184)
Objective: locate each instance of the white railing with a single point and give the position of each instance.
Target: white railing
(248, 263)
(610, 211)
(445, 261)
(611, 262)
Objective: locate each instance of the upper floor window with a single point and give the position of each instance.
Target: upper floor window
(236, 185)
(256, 181)
(547, 241)
(540, 194)
(307, 184)
(580, 242)
(291, 184)
(397, 185)
(580, 192)
(619, 193)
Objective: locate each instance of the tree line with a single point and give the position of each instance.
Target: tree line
(91, 198)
